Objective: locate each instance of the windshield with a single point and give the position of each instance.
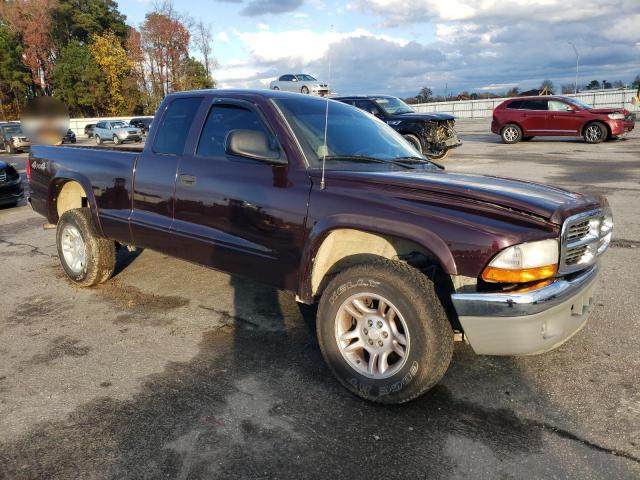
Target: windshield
(578, 103)
(351, 134)
(13, 130)
(118, 125)
(306, 78)
(392, 105)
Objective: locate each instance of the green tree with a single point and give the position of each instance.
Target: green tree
(73, 19)
(593, 85)
(15, 79)
(194, 75)
(79, 82)
(636, 82)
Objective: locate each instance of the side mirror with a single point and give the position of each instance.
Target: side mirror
(294, 79)
(252, 144)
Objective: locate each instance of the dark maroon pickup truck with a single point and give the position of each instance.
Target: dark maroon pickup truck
(402, 257)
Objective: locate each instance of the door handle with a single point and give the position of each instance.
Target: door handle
(188, 180)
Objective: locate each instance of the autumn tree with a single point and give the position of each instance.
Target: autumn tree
(15, 79)
(203, 39)
(115, 64)
(78, 20)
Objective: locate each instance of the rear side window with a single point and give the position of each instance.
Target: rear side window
(221, 120)
(514, 105)
(534, 105)
(172, 132)
(367, 106)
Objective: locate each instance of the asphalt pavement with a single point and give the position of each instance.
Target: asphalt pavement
(172, 370)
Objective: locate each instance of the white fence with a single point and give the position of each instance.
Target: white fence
(484, 108)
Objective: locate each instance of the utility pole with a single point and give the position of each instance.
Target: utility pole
(577, 64)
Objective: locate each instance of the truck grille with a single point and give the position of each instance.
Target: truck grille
(3, 176)
(585, 237)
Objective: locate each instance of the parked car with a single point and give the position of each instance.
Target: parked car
(432, 134)
(88, 130)
(528, 117)
(143, 123)
(117, 131)
(11, 189)
(300, 83)
(399, 253)
(12, 138)
(70, 137)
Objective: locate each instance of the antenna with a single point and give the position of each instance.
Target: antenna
(325, 147)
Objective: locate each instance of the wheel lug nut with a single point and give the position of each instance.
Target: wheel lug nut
(370, 322)
(366, 331)
(380, 343)
(379, 324)
(370, 342)
(385, 334)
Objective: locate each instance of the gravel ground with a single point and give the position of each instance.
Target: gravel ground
(172, 370)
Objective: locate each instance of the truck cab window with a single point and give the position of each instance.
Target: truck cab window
(221, 120)
(176, 122)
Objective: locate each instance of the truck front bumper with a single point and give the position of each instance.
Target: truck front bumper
(526, 323)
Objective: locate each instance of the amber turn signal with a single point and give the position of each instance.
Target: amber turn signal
(503, 275)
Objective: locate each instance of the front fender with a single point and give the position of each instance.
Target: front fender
(381, 226)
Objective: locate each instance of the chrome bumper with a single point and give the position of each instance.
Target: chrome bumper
(526, 323)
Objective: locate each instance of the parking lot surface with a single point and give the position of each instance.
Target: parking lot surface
(171, 370)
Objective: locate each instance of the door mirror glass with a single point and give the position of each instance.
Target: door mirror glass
(252, 144)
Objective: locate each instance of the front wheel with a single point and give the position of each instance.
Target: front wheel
(11, 149)
(87, 258)
(414, 141)
(304, 90)
(511, 133)
(116, 140)
(276, 88)
(98, 140)
(595, 132)
(439, 155)
(383, 331)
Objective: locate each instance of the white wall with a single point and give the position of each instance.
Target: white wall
(484, 108)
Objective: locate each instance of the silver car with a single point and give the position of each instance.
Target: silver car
(117, 131)
(300, 83)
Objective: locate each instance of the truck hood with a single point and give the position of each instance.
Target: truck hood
(418, 116)
(549, 203)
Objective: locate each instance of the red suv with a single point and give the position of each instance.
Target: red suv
(527, 117)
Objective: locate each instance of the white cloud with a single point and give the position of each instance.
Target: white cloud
(223, 37)
(263, 26)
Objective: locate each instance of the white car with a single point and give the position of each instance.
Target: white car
(300, 83)
(116, 131)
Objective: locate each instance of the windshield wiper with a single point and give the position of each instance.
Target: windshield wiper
(366, 159)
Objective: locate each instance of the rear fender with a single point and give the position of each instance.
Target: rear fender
(55, 185)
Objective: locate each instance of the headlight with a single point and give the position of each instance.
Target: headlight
(616, 116)
(526, 262)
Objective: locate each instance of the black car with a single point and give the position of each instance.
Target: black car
(88, 129)
(70, 137)
(432, 134)
(11, 190)
(143, 123)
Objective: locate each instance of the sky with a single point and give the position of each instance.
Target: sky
(399, 46)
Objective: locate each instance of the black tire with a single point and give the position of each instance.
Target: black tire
(430, 334)
(10, 149)
(528, 138)
(511, 133)
(100, 252)
(595, 132)
(116, 140)
(304, 90)
(439, 156)
(98, 140)
(413, 140)
(276, 88)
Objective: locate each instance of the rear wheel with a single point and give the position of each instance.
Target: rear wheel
(595, 132)
(383, 331)
(413, 140)
(511, 133)
(87, 258)
(304, 90)
(276, 88)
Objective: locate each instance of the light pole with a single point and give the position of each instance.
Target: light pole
(577, 63)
